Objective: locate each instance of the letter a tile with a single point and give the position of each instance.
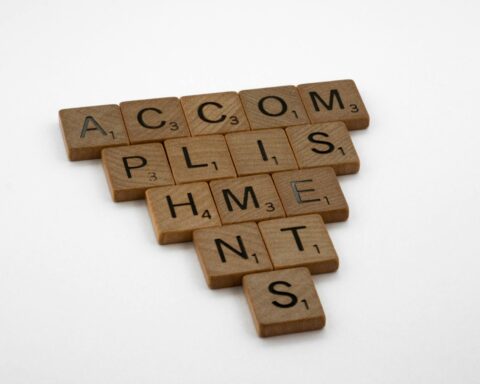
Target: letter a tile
(177, 210)
(87, 130)
(228, 253)
(283, 301)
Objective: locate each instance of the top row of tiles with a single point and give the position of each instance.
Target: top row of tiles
(88, 130)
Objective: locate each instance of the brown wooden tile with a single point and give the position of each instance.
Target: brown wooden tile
(262, 151)
(214, 113)
(283, 301)
(300, 241)
(87, 130)
(314, 190)
(335, 101)
(199, 159)
(154, 120)
(327, 144)
(177, 210)
(132, 169)
(273, 107)
(248, 198)
(228, 253)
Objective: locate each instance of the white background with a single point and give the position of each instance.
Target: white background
(86, 294)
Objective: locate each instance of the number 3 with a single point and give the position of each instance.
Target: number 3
(270, 207)
(152, 176)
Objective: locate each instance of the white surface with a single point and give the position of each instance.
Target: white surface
(87, 296)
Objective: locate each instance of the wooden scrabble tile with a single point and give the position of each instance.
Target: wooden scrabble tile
(300, 241)
(335, 101)
(327, 144)
(177, 210)
(132, 169)
(248, 198)
(283, 301)
(214, 113)
(273, 107)
(154, 120)
(263, 151)
(87, 130)
(314, 190)
(228, 253)
(199, 159)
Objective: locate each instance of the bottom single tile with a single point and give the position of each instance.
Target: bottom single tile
(283, 301)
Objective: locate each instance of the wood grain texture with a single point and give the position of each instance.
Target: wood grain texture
(335, 101)
(273, 107)
(324, 145)
(248, 198)
(300, 241)
(132, 169)
(314, 190)
(283, 301)
(87, 130)
(199, 159)
(262, 151)
(154, 120)
(214, 113)
(228, 253)
(176, 211)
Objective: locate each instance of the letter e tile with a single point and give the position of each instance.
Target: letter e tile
(314, 190)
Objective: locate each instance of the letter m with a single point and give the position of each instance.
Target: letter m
(317, 100)
(248, 192)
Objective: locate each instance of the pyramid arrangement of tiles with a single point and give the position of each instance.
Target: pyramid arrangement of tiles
(250, 177)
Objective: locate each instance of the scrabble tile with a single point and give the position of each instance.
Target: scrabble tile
(199, 159)
(132, 169)
(263, 151)
(228, 253)
(335, 101)
(248, 198)
(314, 190)
(177, 210)
(273, 107)
(214, 113)
(154, 120)
(87, 130)
(283, 301)
(327, 144)
(300, 241)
